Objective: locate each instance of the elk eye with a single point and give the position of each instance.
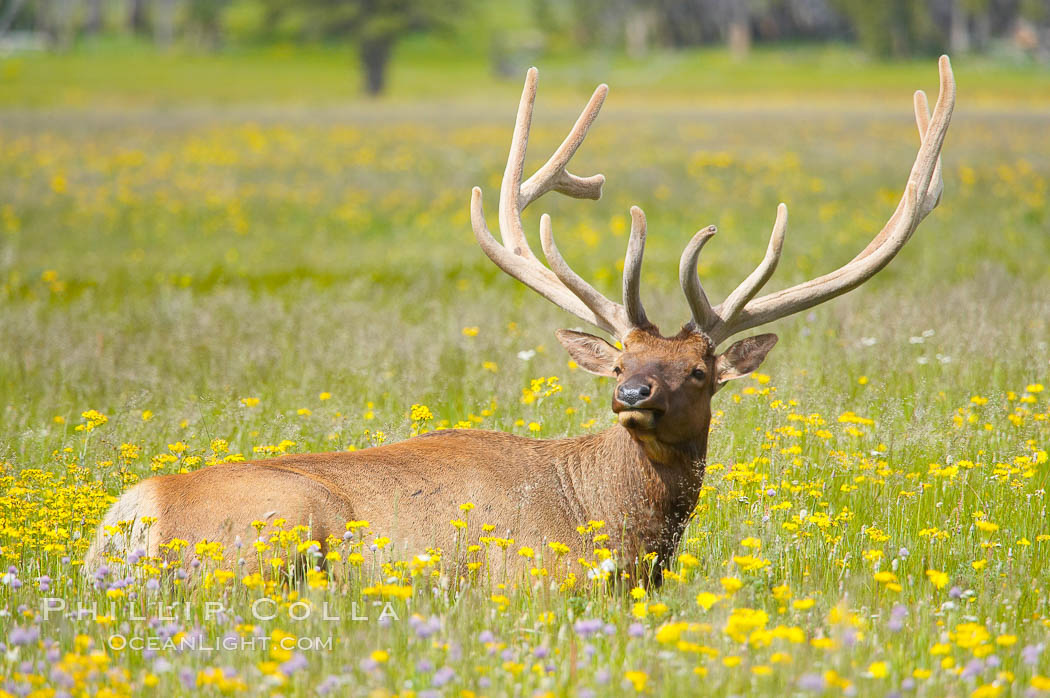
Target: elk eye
(698, 373)
(617, 370)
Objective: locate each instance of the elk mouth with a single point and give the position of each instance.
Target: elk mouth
(638, 419)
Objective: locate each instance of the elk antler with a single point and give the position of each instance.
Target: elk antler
(921, 195)
(558, 283)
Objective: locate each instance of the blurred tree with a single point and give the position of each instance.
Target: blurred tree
(93, 20)
(1032, 31)
(545, 16)
(138, 16)
(57, 20)
(640, 28)
(963, 14)
(892, 27)
(1035, 10)
(375, 25)
(164, 22)
(10, 12)
(513, 46)
(740, 28)
(776, 20)
(204, 18)
(601, 22)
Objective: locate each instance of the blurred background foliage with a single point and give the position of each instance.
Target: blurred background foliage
(507, 36)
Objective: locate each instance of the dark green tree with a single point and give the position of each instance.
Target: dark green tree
(376, 26)
(892, 27)
(204, 18)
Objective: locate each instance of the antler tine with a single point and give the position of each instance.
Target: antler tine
(932, 195)
(730, 307)
(510, 207)
(703, 316)
(553, 174)
(632, 270)
(922, 121)
(612, 317)
(532, 274)
(514, 196)
(921, 195)
(944, 107)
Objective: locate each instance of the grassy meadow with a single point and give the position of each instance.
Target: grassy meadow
(218, 259)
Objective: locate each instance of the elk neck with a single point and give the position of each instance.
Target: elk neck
(646, 488)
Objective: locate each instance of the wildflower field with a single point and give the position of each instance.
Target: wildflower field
(188, 281)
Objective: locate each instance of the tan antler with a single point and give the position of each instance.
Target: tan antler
(921, 195)
(558, 283)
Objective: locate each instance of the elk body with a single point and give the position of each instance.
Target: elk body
(641, 476)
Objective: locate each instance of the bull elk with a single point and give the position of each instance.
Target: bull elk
(642, 475)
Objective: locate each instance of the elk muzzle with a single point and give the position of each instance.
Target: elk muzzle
(637, 403)
(634, 391)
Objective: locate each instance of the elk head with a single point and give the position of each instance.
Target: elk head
(664, 384)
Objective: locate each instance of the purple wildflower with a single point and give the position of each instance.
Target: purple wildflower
(811, 682)
(972, 668)
(425, 628)
(897, 616)
(586, 627)
(297, 662)
(442, 676)
(61, 679)
(23, 636)
(328, 684)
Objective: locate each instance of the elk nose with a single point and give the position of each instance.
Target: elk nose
(633, 391)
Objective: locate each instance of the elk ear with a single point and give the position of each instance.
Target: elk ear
(742, 358)
(593, 354)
